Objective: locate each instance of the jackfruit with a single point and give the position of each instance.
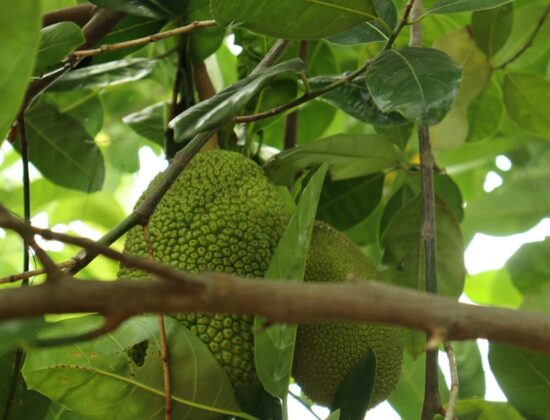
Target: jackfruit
(326, 352)
(220, 215)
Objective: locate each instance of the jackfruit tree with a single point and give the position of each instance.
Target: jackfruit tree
(215, 209)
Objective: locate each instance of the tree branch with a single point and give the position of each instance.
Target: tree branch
(144, 40)
(453, 397)
(282, 302)
(272, 55)
(291, 120)
(80, 15)
(404, 20)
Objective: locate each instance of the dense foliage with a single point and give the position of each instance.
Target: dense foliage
(99, 132)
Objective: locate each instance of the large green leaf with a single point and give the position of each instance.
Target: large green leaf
(19, 332)
(492, 28)
(457, 6)
(408, 397)
(353, 395)
(348, 156)
(354, 99)
(147, 8)
(106, 74)
(524, 376)
(370, 31)
(63, 150)
(85, 107)
(19, 35)
(485, 113)
(121, 373)
(514, 207)
(419, 83)
(404, 249)
(293, 19)
(529, 267)
(525, 97)
(149, 122)
(471, 376)
(56, 42)
(347, 202)
(206, 41)
(219, 109)
(274, 346)
(478, 409)
(493, 288)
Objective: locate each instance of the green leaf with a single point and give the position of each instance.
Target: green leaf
(516, 206)
(149, 122)
(19, 34)
(206, 41)
(126, 367)
(293, 19)
(58, 412)
(113, 73)
(398, 134)
(408, 397)
(147, 8)
(524, 376)
(62, 149)
(19, 332)
(355, 100)
(525, 99)
(370, 31)
(353, 395)
(130, 27)
(478, 409)
(274, 346)
(221, 108)
(423, 84)
(493, 27)
(335, 415)
(471, 376)
(56, 42)
(485, 113)
(529, 267)
(27, 404)
(404, 248)
(457, 6)
(348, 156)
(85, 107)
(493, 288)
(347, 202)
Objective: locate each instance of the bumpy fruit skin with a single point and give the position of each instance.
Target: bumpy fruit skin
(326, 352)
(220, 215)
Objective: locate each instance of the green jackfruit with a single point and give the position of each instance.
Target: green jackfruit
(326, 352)
(220, 215)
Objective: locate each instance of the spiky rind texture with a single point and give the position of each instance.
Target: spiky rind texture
(220, 215)
(326, 352)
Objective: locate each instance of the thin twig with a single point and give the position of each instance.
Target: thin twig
(33, 273)
(271, 56)
(163, 341)
(529, 42)
(305, 404)
(453, 395)
(404, 21)
(291, 120)
(144, 40)
(306, 97)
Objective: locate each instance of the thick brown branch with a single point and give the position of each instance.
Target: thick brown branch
(144, 40)
(80, 15)
(284, 302)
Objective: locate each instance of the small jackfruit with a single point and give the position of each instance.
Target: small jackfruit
(220, 215)
(326, 352)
